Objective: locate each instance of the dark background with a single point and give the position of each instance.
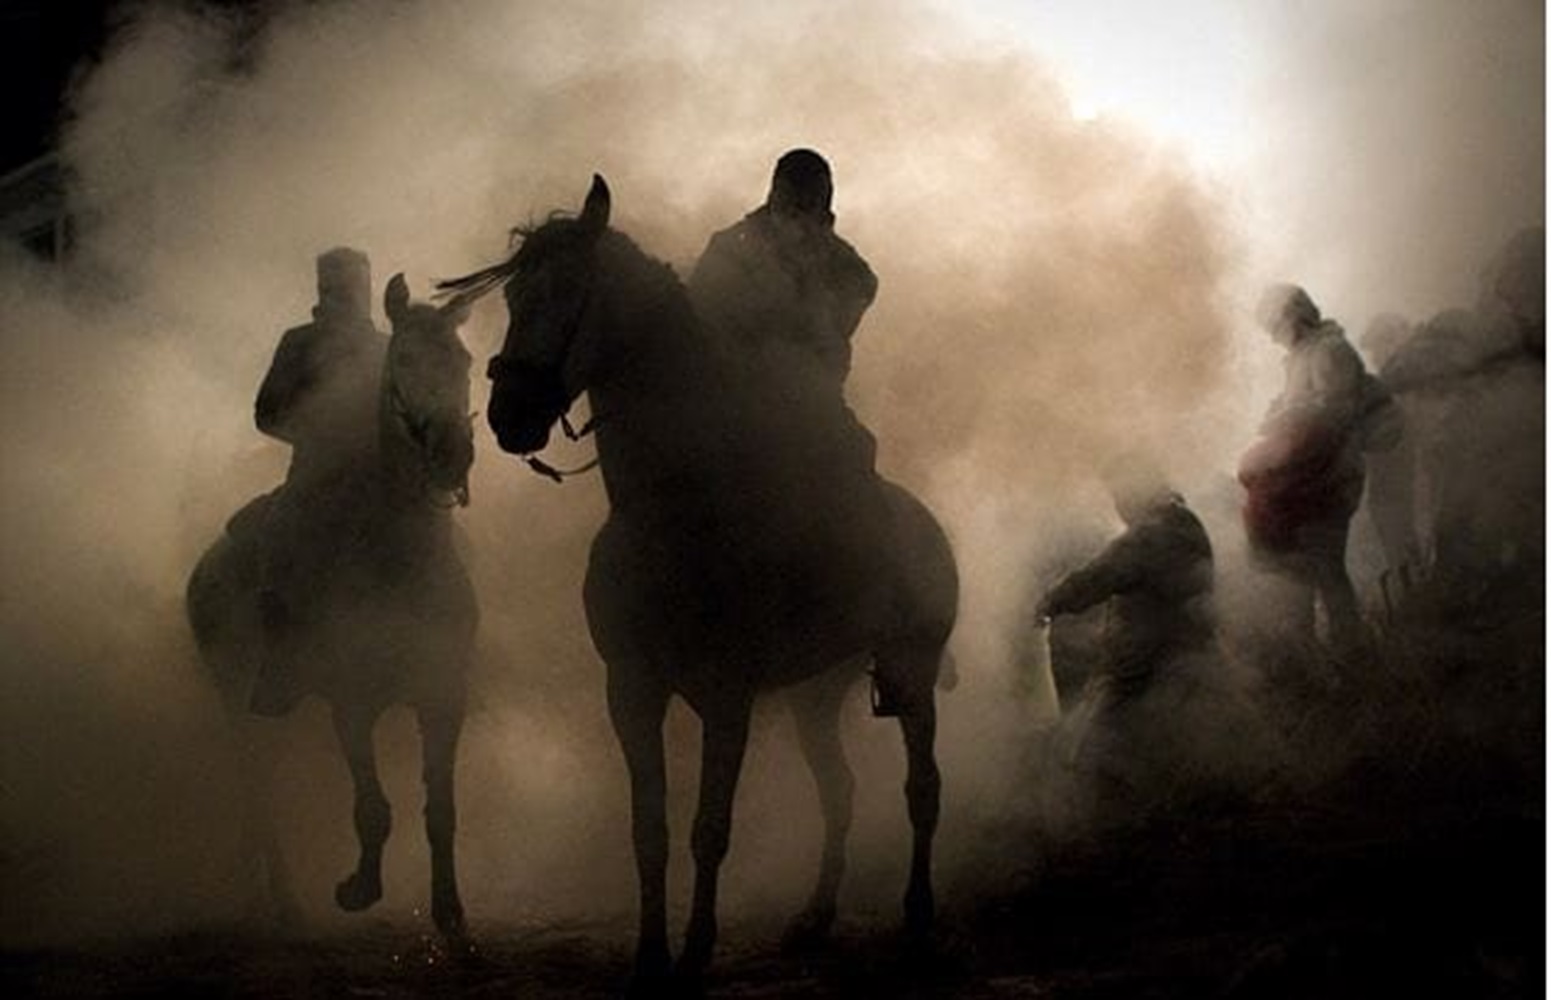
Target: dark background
(41, 45)
(44, 46)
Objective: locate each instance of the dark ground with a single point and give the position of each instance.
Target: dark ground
(1410, 863)
(1277, 905)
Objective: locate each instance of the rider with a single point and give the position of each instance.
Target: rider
(320, 396)
(787, 294)
(782, 277)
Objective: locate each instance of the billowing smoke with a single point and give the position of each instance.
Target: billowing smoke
(1053, 292)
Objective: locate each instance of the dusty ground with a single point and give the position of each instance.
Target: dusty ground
(1411, 863)
(1377, 892)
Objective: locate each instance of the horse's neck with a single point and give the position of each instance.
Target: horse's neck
(663, 415)
(399, 477)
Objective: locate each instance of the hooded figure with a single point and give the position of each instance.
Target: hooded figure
(1303, 478)
(1156, 580)
(783, 295)
(781, 277)
(1159, 647)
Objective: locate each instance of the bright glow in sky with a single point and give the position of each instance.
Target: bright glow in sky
(1184, 70)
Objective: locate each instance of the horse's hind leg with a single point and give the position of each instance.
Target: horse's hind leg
(815, 708)
(440, 726)
(917, 667)
(373, 819)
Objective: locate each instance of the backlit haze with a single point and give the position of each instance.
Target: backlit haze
(1069, 207)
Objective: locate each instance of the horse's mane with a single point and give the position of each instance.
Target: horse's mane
(478, 284)
(530, 243)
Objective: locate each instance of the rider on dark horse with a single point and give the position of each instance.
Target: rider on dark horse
(321, 397)
(787, 294)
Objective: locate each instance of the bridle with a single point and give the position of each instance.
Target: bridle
(499, 366)
(416, 428)
(548, 471)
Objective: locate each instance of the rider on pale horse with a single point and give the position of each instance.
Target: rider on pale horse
(320, 396)
(787, 294)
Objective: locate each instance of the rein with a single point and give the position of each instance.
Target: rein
(548, 471)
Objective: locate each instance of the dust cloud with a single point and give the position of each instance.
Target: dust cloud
(1053, 292)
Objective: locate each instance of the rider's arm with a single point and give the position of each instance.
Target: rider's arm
(856, 285)
(283, 385)
(1121, 567)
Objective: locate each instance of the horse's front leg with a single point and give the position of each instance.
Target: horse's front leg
(637, 708)
(256, 749)
(724, 737)
(440, 726)
(373, 819)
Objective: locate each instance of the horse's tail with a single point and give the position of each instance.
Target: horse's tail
(928, 580)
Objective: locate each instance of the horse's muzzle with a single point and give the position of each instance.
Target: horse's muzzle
(525, 402)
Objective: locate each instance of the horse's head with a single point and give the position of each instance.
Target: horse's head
(546, 360)
(426, 390)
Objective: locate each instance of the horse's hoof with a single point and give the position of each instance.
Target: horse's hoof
(448, 917)
(653, 976)
(808, 930)
(655, 987)
(920, 915)
(357, 893)
(688, 982)
(699, 943)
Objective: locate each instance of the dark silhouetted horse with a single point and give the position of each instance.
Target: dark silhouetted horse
(391, 618)
(694, 586)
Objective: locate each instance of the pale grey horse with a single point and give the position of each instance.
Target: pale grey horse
(391, 620)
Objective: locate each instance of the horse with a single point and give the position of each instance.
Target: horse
(686, 592)
(393, 615)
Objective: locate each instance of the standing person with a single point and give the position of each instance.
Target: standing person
(320, 396)
(1304, 476)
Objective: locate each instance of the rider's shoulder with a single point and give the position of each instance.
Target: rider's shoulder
(298, 339)
(847, 260)
(752, 228)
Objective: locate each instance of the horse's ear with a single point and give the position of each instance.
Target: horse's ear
(595, 210)
(395, 300)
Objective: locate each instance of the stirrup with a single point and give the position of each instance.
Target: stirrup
(885, 704)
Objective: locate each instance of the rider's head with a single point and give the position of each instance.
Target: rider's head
(1287, 313)
(801, 187)
(345, 283)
